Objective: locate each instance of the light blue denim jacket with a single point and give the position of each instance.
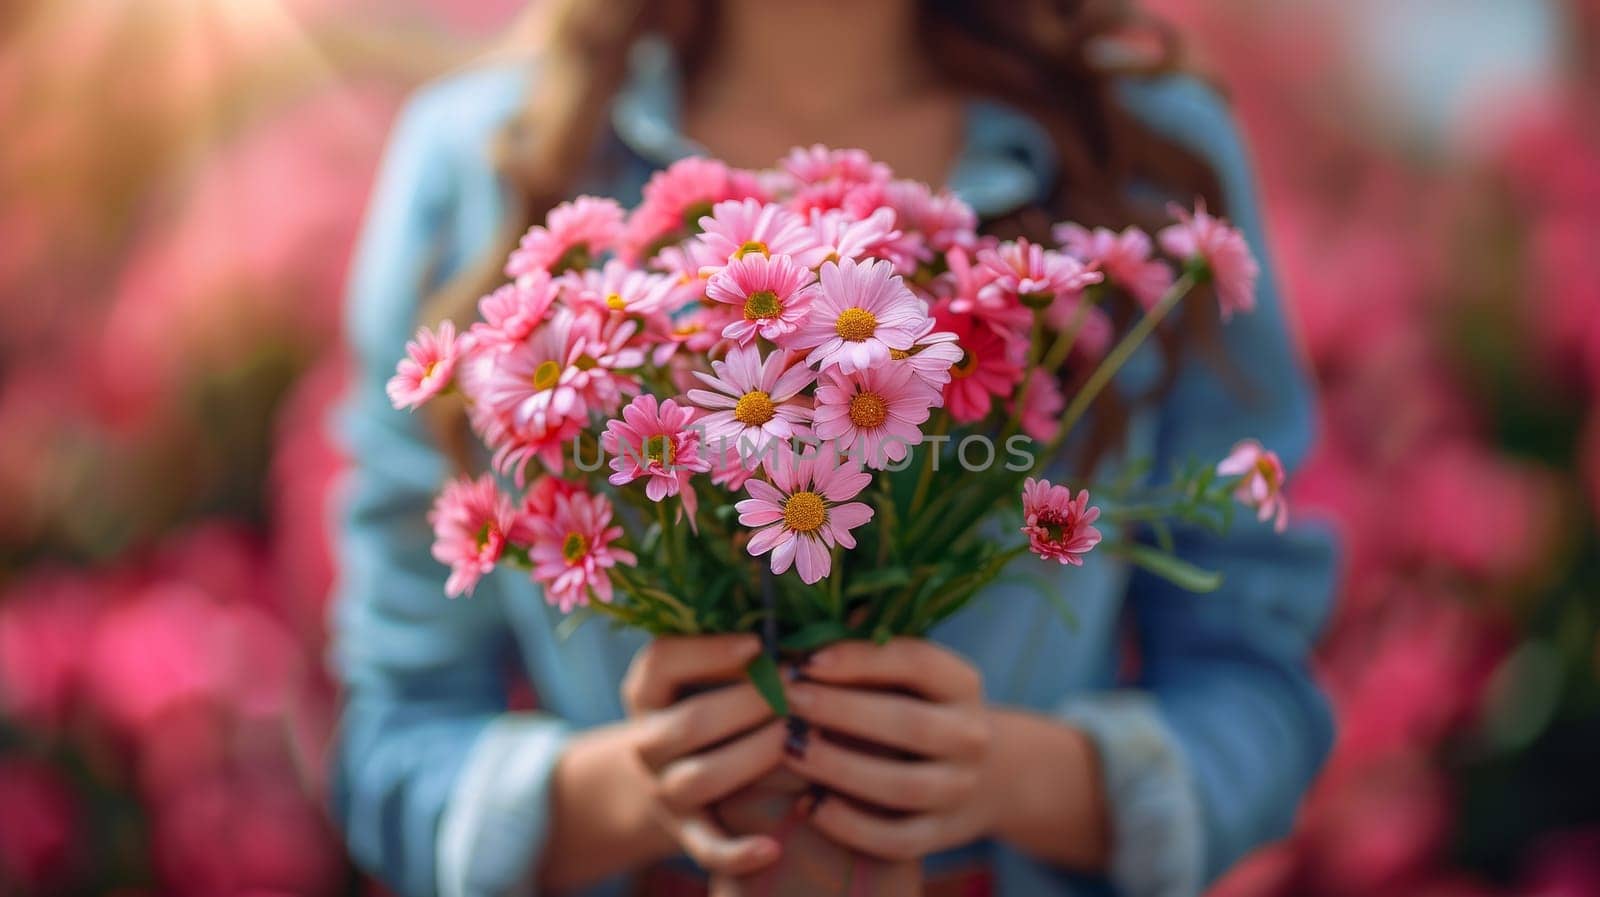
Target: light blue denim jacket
(439, 789)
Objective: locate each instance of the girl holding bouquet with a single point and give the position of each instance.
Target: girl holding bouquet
(1140, 748)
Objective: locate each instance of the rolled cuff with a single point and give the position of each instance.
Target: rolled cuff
(1158, 841)
(494, 826)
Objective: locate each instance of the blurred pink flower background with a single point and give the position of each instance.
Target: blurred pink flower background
(184, 178)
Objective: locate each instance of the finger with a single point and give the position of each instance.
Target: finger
(884, 782)
(909, 663)
(716, 851)
(896, 721)
(699, 722)
(907, 838)
(700, 779)
(664, 666)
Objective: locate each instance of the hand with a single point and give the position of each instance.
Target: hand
(704, 748)
(942, 796)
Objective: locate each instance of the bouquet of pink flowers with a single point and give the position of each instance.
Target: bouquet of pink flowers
(819, 370)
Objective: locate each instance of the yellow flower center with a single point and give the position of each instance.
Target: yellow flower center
(688, 329)
(754, 409)
(427, 372)
(805, 512)
(762, 305)
(868, 410)
(899, 354)
(965, 366)
(546, 375)
(615, 302)
(586, 363)
(487, 533)
(856, 324)
(1264, 469)
(574, 547)
(658, 450)
(750, 247)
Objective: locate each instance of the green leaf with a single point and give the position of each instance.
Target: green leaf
(572, 622)
(814, 635)
(1179, 572)
(1163, 534)
(764, 675)
(879, 580)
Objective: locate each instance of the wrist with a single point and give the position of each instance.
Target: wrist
(601, 795)
(1045, 796)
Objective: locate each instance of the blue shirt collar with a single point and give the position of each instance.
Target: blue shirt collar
(1007, 159)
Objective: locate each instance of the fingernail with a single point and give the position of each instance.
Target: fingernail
(796, 672)
(820, 658)
(794, 744)
(809, 802)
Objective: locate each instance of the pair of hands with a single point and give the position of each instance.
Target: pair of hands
(705, 748)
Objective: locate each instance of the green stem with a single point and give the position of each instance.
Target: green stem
(668, 543)
(836, 585)
(1114, 362)
(925, 479)
(961, 590)
(889, 521)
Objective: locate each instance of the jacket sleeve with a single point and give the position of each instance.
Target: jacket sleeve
(437, 789)
(1208, 755)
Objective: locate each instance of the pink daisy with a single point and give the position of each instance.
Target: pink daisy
(752, 401)
(511, 312)
(739, 228)
(621, 289)
(427, 369)
(862, 313)
(848, 237)
(531, 383)
(1042, 404)
(1221, 252)
(472, 523)
(1058, 525)
(1125, 259)
(817, 164)
(529, 401)
(933, 355)
(675, 200)
(1035, 276)
(803, 512)
(574, 234)
(607, 353)
(695, 332)
(774, 294)
(928, 223)
(990, 366)
(875, 413)
(943, 219)
(822, 179)
(965, 284)
(656, 441)
(1261, 478)
(572, 550)
(540, 499)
